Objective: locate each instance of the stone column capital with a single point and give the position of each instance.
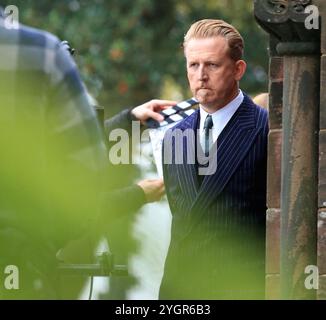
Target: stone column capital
(285, 21)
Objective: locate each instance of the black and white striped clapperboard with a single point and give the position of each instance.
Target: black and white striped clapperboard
(174, 114)
(157, 129)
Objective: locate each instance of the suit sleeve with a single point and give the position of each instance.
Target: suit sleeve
(122, 201)
(122, 120)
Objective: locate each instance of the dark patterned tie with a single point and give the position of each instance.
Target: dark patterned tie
(208, 140)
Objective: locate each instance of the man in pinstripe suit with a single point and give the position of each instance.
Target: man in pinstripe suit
(218, 229)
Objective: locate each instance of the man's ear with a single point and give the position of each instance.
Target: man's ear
(240, 69)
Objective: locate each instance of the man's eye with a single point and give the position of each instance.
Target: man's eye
(213, 65)
(192, 65)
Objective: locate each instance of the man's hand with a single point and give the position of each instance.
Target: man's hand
(153, 189)
(151, 108)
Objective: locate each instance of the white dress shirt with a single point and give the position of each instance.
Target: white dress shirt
(220, 118)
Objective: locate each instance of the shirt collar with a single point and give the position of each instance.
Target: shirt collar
(223, 114)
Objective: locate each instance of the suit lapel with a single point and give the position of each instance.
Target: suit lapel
(187, 172)
(232, 146)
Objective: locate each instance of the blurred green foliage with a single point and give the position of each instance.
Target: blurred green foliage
(126, 50)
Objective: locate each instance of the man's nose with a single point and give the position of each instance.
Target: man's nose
(202, 74)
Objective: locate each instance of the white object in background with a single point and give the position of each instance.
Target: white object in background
(157, 136)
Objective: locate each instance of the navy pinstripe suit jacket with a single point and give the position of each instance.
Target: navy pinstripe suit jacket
(218, 228)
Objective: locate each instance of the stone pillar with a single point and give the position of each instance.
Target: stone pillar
(321, 258)
(299, 173)
(274, 173)
(300, 46)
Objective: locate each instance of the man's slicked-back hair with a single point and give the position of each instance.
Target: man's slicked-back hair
(211, 28)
